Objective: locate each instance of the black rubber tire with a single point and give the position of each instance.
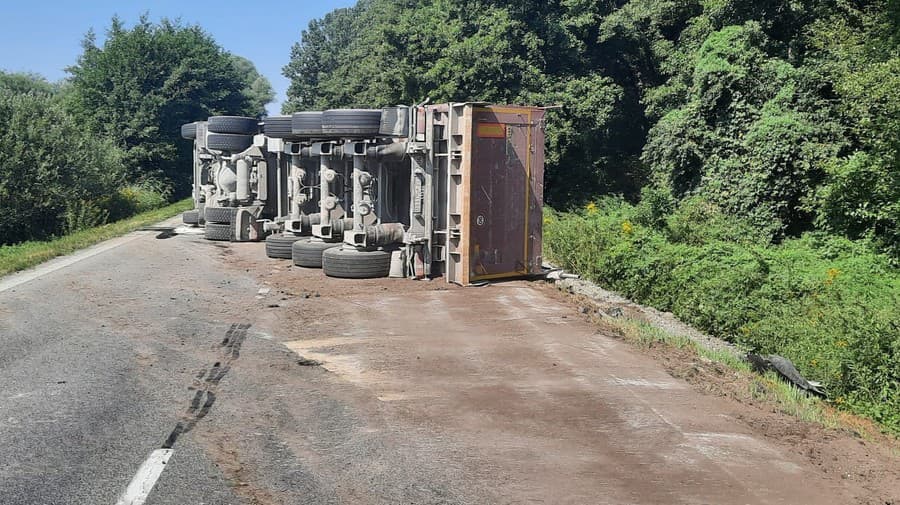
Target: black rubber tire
(238, 125)
(277, 127)
(191, 217)
(279, 246)
(394, 122)
(307, 124)
(218, 231)
(351, 122)
(351, 263)
(189, 131)
(228, 142)
(220, 214)
(308, 253)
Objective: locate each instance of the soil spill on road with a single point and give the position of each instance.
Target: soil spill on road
(207, 381)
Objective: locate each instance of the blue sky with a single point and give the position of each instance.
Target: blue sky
(44, 36)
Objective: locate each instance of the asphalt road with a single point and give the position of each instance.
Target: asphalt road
(275, 385)
(95, 367)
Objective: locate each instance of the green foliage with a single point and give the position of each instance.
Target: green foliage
(135, 199)
(316, 57)
(83, 214)
(25, 83)
(257, 88)
(859, 52)
(828, 304)
(53, 173)
(145, 82)
(657, 203)
(698, 221)
(862, 199)
(751, 137)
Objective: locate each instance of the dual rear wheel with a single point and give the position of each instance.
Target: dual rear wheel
(351, 263)
(340, 260)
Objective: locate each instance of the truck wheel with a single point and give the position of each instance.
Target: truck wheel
(351, 263)
(191, 217)
(279, 246)
(307, 124)
(351, 122)
(218, 231)
(189, 131)
(308, 252)
(239, 125)
(394, 122)
(220, 214)
(228, 141)
(277, 127)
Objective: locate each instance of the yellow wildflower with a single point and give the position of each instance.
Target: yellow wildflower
(627, 228)
(591, 208)
(831, 274)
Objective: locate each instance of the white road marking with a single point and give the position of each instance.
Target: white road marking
(20, 395)
(137, 492)
(64, 261)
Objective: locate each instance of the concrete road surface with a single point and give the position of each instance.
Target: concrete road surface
(180, 371)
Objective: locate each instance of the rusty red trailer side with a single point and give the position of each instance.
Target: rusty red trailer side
(501, 187)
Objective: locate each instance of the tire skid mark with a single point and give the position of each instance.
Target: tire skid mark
(207, 381)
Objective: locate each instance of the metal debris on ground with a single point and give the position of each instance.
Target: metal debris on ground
(786, 369)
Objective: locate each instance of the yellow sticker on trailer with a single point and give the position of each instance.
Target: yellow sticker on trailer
(491, 130)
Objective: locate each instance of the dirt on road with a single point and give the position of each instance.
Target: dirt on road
(424, 392)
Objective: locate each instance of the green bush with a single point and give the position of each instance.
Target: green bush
(83, 214)
(135, 199)
(55, 176)
(52, 171)
(829, 304)
(697, 221)
(862, 199)
(655, 206)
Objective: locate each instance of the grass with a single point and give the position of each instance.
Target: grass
(28, 254)
(769, 387)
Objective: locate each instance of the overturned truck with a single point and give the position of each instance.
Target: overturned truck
(451, 190)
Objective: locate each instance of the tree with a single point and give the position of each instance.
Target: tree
(54, 173)
(858, 52)
(144, 82)
(25, 83)
(316, 56)
(257, 88)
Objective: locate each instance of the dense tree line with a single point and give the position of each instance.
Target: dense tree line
(785, 113)
(105, 143)
(144, 82)
(50, 166)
